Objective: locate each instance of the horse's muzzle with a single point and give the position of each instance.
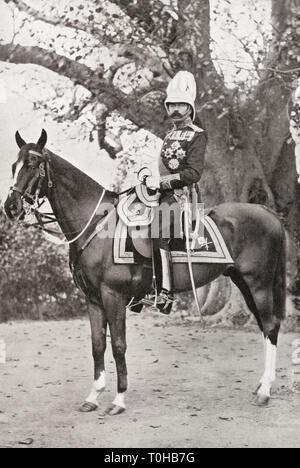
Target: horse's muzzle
(13, 206)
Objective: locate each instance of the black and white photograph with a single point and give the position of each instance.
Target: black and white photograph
(149, 226)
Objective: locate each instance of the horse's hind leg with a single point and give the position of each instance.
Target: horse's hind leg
(115, 308)
(98, 329)
(263, 391)
(261, 303)
(271, 327)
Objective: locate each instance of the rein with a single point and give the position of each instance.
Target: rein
(61, 242)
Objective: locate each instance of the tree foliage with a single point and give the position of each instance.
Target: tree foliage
(35, 282)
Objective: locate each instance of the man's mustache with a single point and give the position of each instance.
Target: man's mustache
(176, 114)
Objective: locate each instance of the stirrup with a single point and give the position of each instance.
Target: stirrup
(135, 305)
(165, 301)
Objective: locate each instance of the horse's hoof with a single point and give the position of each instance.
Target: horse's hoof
(87, 407)
(261, 400)
(114, 410)
(256, 391)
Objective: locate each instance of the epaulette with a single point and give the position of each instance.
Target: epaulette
(195, 128)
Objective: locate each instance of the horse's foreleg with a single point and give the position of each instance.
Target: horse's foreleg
(98, 328)
(115, 307)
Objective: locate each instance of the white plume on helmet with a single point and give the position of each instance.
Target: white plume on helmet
(182, 88)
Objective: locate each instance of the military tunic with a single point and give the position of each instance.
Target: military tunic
(181, 165)
(182, 157)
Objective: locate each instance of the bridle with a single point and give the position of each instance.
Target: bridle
(41, 162)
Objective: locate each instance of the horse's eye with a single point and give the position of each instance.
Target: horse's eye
(32, 160)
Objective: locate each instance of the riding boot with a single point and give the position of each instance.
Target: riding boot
(165, 298)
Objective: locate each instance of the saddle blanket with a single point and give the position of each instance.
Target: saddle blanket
(209, 248)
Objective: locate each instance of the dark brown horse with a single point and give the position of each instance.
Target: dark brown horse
(254, 235)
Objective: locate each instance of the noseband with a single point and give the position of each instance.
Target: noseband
(41, 162)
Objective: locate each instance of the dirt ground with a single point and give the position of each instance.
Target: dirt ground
(188, 388)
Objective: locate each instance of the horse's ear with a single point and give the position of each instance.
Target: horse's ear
(43, 139)
(19, 140)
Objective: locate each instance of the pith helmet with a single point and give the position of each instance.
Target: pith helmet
(182, 88)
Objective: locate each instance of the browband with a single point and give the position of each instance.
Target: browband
(35, 153)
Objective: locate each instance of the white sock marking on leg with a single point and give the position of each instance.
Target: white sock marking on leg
(120, 400)
(270, 369)
(98, 388)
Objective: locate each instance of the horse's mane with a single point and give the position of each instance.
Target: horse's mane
(67, 165)
(77, 175)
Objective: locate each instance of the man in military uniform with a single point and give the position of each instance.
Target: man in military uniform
(181, 165)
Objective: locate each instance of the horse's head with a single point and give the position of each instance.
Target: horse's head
(28, 175)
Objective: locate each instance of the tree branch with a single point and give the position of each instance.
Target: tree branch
(77, 72)
(89, 26)
(143, 11)
(153, 20)
(38, 15)
(139, 11)
(137, 107)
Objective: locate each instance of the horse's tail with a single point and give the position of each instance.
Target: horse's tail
(279, 284)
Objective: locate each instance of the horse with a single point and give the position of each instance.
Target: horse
(253, 234)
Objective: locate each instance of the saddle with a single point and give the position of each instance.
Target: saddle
(132, 241)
